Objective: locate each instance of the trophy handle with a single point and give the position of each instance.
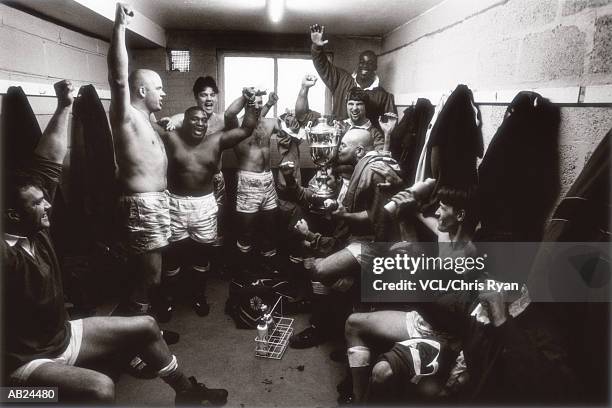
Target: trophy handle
(307, 130)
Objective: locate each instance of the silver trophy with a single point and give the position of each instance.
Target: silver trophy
(323, 139)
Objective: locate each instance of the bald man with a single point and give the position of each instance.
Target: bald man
(142, 165)
(340, 81)
(359, 220)
(362, 204)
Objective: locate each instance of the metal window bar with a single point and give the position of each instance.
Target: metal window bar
(180, 60)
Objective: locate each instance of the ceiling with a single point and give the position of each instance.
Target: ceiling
(340, 17)
(345, 17)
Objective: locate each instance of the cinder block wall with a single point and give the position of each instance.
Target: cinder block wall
(510, 44)
(37, 51)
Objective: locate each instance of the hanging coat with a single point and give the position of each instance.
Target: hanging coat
(20, 128)
(519, 176)
(408, 137)
(96, 159)
(455, 143)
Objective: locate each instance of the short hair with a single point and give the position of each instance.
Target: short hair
(462, 199)
(191, 109)
(15, 182)
(202, 83)
(138, 78)
(456, 197)
(357, 94)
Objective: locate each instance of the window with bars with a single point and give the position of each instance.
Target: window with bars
(180, 60)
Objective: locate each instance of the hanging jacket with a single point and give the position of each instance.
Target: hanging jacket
(95, 160)
(455, 143)
(519, 180)
(20, 128)
(408, 137)
(582, 216)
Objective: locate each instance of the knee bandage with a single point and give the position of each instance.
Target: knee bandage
(358, 356)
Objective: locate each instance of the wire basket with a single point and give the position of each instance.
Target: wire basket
(275, 343)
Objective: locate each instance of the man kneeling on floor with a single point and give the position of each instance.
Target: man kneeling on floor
(43, 347)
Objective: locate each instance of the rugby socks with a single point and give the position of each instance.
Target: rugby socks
(169, 281)
(140, 308)
(201, 274)
(173, 377)
(269, 254)
(169, 284)
(359, 363)
(244, 259)
(320, 289)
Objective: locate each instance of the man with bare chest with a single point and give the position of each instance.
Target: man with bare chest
(142, 165)
(206, 95)
(193, 160)
(256, 199)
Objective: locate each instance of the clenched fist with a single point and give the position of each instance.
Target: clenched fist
(123, 14)
(63, 91)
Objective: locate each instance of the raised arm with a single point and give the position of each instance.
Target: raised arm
(272, 99)
(409, 201)
(387, 124)
(329, 73)
(172, 122)
(231, 113)
(230, 138)
(301, 103)
(118, 67)
(54, 143)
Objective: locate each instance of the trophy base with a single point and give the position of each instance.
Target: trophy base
(321, 197)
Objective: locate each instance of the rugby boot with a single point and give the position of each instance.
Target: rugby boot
(200, 395)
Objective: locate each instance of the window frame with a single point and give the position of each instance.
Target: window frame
(221, 54)
(169, 56)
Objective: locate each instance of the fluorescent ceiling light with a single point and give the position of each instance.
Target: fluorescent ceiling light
(276, 8)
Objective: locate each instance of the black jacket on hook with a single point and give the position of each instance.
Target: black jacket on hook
(455, 142)
(408, 137)
(519, 176)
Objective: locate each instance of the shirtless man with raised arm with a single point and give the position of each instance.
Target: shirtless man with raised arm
(193, 160)
(256, 194)
(142, 163)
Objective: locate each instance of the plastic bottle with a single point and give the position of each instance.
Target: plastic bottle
(262, 337)
(266, 315)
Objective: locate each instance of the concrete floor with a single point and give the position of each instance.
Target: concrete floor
(219, 355)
